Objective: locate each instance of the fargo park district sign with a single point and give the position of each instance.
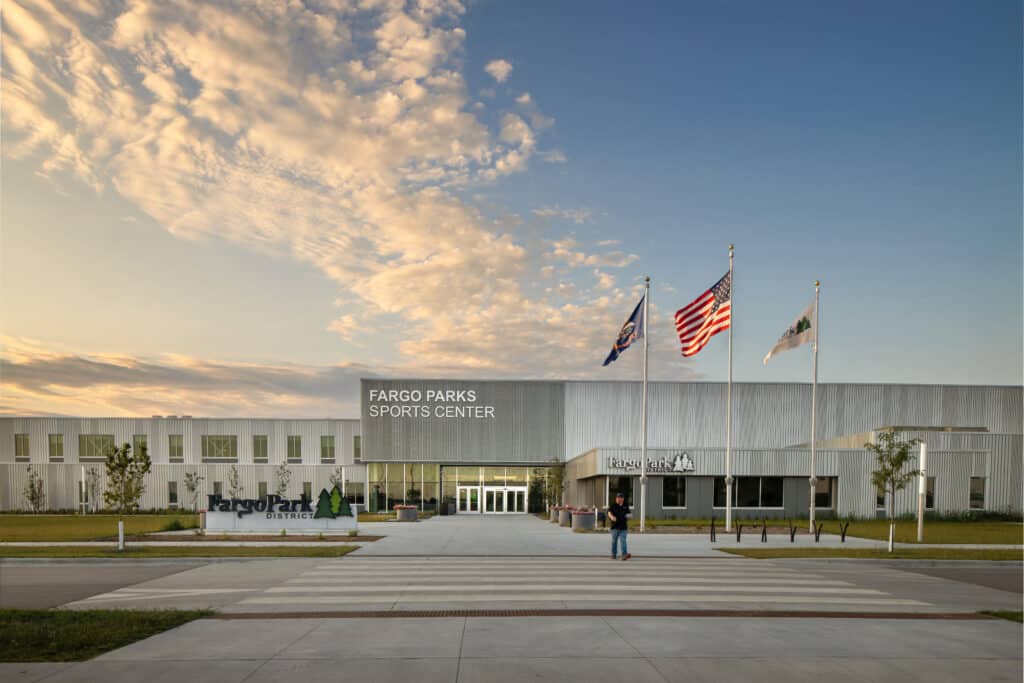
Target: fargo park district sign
(331, 512)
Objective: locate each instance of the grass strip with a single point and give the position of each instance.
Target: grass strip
(30, 635)
(87, 527)
(144, 552)
(1005, 614)
(881, 554)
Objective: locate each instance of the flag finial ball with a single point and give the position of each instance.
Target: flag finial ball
(730, 247)
(817, 283)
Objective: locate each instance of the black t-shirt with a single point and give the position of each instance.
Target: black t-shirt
(620, 512)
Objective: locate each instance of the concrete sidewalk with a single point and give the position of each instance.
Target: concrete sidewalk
(592, 649)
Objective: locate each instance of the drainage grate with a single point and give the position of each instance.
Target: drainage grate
(759, 614)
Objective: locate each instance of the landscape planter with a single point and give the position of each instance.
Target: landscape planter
(584, 520)
(553, 513)
(565, 517)
(406, 513)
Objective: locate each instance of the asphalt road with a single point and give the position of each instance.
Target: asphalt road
(39, 585)
(1009, 579)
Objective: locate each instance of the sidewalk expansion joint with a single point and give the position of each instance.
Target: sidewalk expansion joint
(687, 613)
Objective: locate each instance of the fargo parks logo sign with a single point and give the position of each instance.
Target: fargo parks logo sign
(680, 463)
(332, 512)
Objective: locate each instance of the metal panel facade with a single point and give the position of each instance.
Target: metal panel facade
(692, 414)
(503, 422)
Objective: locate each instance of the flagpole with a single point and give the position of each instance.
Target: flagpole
(813, 481)
(728, 408)
(643, 418)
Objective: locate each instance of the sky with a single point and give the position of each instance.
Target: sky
(241, 208)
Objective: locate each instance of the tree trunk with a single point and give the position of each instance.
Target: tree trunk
(892, 517)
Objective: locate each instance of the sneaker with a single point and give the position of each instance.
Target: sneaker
(627, 556)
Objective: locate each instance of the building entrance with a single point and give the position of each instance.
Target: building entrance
(469, 499)
(504, 499)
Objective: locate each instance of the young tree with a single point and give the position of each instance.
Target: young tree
(235, 487)
(35, 490)
(126, 473)
(283, 476)
(192, 482)
(92, 487)
(337, 476)
(555, 484)
(892, 455)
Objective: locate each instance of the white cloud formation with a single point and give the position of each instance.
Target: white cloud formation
(499, 69)
(335, 132)
(578, 216)
(554, 156)
(524, 99)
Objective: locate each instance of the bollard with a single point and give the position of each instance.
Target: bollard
(764, 531)
(712, 528)
(792, 530)
(120, 535)
(739, 530)
(817, 532)
(842, 531)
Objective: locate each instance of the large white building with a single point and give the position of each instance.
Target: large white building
(476, 447)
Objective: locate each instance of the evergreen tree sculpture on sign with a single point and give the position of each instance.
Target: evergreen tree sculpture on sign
(323, 506)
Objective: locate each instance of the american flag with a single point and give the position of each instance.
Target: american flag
(709, 314)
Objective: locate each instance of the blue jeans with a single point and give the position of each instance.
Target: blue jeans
(619, 538)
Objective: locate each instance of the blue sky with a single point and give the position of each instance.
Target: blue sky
(240, 209)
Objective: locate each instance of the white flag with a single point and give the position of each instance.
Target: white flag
(800, 332)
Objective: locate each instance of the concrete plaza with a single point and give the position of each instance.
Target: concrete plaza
(591, 649)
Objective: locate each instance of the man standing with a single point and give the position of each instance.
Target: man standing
(618, 512)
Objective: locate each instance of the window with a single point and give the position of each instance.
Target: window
(822, 493)
(139, 444)
(172, 494)
(771, 492)
(879, 499)
(977, 493)
(56, 448)
(623, 485)
(357, 454)
(218, 488)
(21, 447)
(219, 447)
(261, 489)
(929, 494)
(307, 490)
(750, 492)
(259, 449)
(94, 447)
(327, 450)
(175, 448)
(295, 449)
(673, 492)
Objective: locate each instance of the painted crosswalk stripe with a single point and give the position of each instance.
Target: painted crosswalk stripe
(581, 597)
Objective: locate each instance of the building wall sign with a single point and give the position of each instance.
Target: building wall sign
(679, 463)
(331, 512)
(428, 403)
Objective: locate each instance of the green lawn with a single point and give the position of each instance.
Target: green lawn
(938, 531)
(900, 553)
(1008, 615)
(85, 527)
(28, 635)
(176, 551)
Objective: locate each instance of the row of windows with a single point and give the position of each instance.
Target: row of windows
(976, 494)
(215, 448)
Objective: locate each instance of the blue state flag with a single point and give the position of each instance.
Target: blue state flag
(630, 332)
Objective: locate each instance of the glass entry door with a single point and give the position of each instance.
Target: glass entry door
(504, 499)
(469, 499)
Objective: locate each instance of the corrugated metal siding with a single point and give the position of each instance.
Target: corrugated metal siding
(607, 414)
(527, 427)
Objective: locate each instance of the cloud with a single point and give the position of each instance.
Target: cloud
(554, 156)
(338, 134)
(499, 69)
(524, 99)
(578, 216)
